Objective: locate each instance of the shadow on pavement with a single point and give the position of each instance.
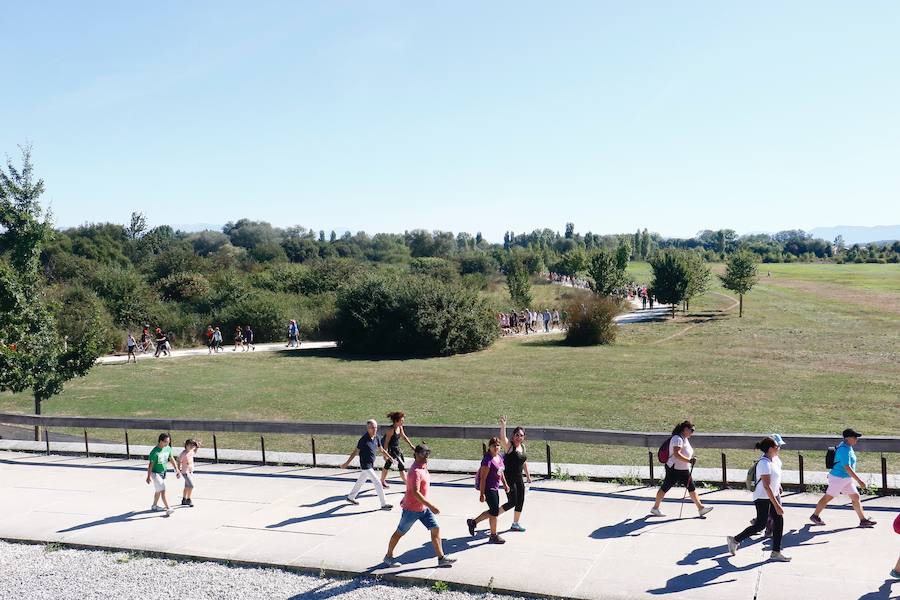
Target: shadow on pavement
(451, 546)
(627, 528)
(123, 518)
(330, 513)
(704, 577)
(883, 592)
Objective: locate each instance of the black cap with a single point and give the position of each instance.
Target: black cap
(422, 449)
(850, 432)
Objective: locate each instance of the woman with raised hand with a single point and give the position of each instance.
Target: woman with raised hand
(515, 466)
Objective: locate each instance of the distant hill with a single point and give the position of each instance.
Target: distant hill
(858, 235)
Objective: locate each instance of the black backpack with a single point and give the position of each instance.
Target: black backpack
(829, 457)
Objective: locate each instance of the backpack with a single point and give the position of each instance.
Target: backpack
(829, 457)
(662, 455)
(752, 481)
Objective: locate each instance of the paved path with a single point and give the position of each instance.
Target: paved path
(584, 540)
(226, 351)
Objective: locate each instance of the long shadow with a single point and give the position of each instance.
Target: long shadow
(426, 551)
(712, 552)
(804, 535)
(330, 513)
(883, 592)
(626, 528)
(342, 355)
(123, 518)
(703, 578)
(326, 590)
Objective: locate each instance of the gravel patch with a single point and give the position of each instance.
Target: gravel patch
(46, 571)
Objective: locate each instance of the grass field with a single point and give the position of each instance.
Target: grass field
(817, 350)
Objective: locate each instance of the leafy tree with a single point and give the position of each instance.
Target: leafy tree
(517, 282)
(138, 225)
(698, 276)
(34, 356)
(439, 268)
(604, 270)
(740, 276)
(670, 278)
(622, 254)
(645, 244)
(570, 231)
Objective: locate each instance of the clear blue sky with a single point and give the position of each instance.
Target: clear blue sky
(491, 116)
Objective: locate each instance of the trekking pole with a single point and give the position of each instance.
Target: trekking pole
(690, 478)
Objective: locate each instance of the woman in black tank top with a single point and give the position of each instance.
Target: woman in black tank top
(391, 443)
(516, 464)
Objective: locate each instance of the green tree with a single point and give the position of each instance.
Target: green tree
(604, 270)
(740, 276)
(33, 356)
(518, 283)
(670, 278)
(698, 277)
(622, 254)
(138, 225)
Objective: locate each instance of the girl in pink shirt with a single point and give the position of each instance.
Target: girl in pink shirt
(186, 464)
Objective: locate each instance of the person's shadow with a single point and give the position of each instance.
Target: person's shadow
(330, 513)
(133, 515)
(695, 556)
(451, 546)
(704, 577)
(626, 528)
(882, 593)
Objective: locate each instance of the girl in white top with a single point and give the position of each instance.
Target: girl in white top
(678, 468)
(767, 499)
(186, 464)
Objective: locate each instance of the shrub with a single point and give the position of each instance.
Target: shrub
(264, 311)
(411, 316)
(591, 321)
(183, 286)
(438, 268)
(124, 292)
(76, 308)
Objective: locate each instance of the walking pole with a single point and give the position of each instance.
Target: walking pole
(684, 497)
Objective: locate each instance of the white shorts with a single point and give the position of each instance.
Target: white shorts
(841, 485)
(159, 481)
(188, 480)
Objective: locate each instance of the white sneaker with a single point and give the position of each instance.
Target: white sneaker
(705, 510)
(155, 508)
(169, 511)
(779, 557)
(656, 512)
(732, 545)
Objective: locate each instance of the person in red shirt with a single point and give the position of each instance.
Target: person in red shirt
(416, 507)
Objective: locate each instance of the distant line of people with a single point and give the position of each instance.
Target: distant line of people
(531, 321)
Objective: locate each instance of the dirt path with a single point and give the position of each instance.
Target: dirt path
(692, 325)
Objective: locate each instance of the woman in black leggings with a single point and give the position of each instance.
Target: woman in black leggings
(767, 500)
(515, 463)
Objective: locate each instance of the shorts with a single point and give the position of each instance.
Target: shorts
(395, 456)
(188, 480)
(493, 502)
(841, 485)
(677, 476)
(159, 481)
(409, 517)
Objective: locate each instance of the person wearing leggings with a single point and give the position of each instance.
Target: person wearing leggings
(767, 500)
(515, 465)
(490, 477)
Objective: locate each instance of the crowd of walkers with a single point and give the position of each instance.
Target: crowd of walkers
(630, 291)
(505, 465)
(528, 321)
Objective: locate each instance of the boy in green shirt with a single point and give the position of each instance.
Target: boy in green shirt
(160, 457)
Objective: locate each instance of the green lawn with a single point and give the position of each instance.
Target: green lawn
(798, 362)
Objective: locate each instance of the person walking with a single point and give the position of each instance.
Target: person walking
(842, 479)
(766, 499)
(131, 344)
(238, 338)
(515, 464)
(678, 469)
(367, 447)
(217, 340)
(391, 441)
(186, 464)
(159, 460)
(161, 341)
(210, 334)
(489, 479)
(248, 339)
(417, 507)
(547, 318)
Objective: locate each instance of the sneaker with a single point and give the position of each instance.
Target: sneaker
(867, 523)
(352, 501)
(169, 511)
(391, 561)
(516, 527)
(387, 507)
(895, 573)
(732, 545)
(779, 557)
(656, 512)
(816, 519)
(156, 508)
(470, 523)
(385, 484)
(190, 503)
(705, 510)
(446, 561)
(496, 539)
(184, 502)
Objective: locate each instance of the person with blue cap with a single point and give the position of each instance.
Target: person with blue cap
(842, 479)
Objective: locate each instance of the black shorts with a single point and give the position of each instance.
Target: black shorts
(677, 476)
(493, 502)
(396, 456)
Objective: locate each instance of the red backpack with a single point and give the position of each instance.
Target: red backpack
(663, 453)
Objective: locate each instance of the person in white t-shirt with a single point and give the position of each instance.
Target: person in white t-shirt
(678, 468)
(767, 499)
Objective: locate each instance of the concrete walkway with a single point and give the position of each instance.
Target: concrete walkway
(226, 351)
(584, 540)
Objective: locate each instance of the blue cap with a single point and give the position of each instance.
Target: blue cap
(778, 439)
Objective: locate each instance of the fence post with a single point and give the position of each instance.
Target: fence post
(724, 472)
(127, 446)
(549, 470)
(650, 462)
(47, 440)
(314, 451)
(87, 453)
(802, 483)
(262, 443)
(884, 481)
(215, 449)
